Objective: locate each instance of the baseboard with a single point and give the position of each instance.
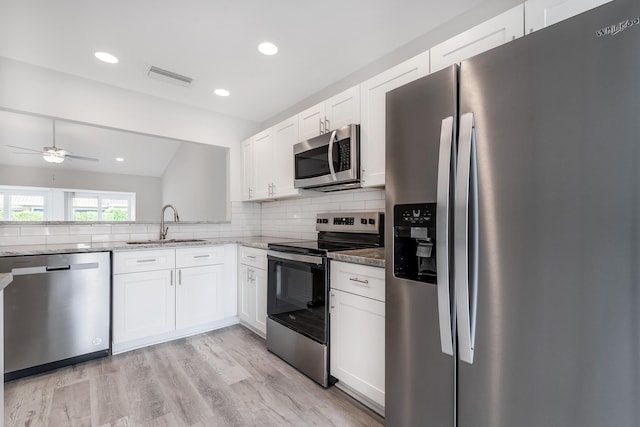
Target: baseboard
(118, 348)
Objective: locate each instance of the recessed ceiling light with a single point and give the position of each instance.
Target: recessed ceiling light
(268, 48)
(119, 159)
(106, 57)
(222, 92)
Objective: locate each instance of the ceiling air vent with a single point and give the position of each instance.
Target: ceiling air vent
(169, 76)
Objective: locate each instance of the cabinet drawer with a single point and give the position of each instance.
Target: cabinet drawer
(200, 255)
(358, 279)
(253, 257)
(145, 260)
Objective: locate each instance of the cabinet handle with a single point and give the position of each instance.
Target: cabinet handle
(327, 124)
(201, 256)
(171, 277)
(320, 124)
(357, 280)
(179, 277)
(331, 302)
(249, 192)
(251, 256)
(146, 260)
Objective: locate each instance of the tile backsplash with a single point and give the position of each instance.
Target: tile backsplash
(293, 218)
(296, 218)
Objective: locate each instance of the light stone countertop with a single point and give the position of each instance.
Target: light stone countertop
(5, 279)
(260, 242)
(372, 256)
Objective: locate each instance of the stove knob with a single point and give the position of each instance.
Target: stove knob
(372, 221)
(325, 221)
(363, 221)
(318, 221)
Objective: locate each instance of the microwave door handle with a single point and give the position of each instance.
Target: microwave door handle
(330, 156)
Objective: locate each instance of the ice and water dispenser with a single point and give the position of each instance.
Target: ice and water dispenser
(414, 240)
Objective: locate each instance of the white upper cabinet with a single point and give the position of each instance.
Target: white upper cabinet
(340, 110)
(285, 136)
(267, 159)
(373, 110)
(248, 181)
(542, 13)
(263, 163)
(492, 33)
(311, 122)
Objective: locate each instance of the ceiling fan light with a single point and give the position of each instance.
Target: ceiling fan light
(52, 158)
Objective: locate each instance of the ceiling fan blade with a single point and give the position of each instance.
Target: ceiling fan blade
(72, 156)
(24, 148)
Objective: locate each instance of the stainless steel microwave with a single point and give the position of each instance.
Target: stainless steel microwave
(329, 162)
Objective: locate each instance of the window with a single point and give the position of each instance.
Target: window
(100, 206)
(53, 204)
(20, 204)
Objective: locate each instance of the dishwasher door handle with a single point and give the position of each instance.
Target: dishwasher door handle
(24, 271)
(58, 268)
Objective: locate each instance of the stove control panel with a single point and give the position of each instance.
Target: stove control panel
(351, 222)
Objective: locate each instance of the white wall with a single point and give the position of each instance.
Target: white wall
(195, 183)
(31, 89)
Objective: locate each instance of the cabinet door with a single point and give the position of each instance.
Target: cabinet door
(492, 33)
(539, 14)
(285, 136)
(357, 343)
(247, 297)
(143, 304)
(373, 110)
(260, 281)
(198, 295)
(342, 109)
(248, 181)
(311, 122)
(263, 163)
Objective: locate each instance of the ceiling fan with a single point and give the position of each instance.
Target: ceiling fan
(55, 154)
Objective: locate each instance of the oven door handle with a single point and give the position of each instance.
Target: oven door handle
(310, 259)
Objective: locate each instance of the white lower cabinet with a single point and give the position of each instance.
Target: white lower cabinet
(164, 294)
(252, 298)
(198, 295)
(357, 331)
(143, 304)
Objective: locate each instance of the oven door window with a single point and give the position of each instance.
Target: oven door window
(297, 295)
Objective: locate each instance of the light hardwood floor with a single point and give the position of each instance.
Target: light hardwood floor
(221, 378)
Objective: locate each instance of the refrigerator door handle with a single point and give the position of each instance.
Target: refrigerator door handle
(466, 238)
(446, 173)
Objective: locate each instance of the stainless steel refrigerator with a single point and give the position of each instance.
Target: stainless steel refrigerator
(513, 233)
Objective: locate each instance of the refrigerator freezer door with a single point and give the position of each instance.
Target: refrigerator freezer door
(557, 121)
(419, 377)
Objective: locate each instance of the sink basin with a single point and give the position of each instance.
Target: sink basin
(162, 242)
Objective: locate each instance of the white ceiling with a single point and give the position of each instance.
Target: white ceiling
(34, 133)
(214, 42)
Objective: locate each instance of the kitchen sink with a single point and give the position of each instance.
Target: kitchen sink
(164, 241)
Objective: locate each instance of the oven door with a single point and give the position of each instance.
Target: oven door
(297, 293)
(329, 159)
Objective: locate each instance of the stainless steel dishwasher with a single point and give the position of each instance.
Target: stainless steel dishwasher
(56, 311)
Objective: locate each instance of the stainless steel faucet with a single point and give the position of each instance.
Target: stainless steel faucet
(164, 230)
